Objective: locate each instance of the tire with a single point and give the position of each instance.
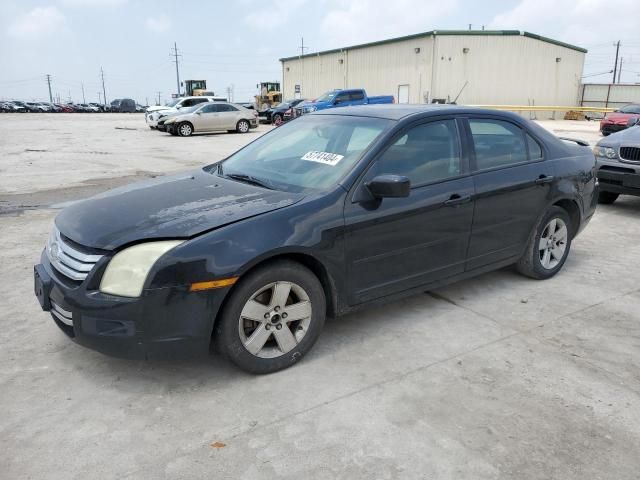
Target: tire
(542, 262)
(607, 198)
(185, 129)
(277, 119)
(261, 345)
(243, 126)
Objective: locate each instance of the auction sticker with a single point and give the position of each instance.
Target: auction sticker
(323, 157)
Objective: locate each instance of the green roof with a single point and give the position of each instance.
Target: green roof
(434, 33)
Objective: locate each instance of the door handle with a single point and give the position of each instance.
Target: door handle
(542, 179)
(457, 199)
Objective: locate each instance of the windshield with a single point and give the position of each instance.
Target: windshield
(327, 97)
(172, 103)
(630, 109)
(313, 152)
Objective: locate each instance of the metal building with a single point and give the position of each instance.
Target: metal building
(488, 67)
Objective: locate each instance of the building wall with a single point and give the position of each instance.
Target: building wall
(607, 95)
(506, 70)
(515, 70)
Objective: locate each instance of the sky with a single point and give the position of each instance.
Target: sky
(237, 44)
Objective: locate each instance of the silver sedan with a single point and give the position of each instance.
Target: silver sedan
(213, 117)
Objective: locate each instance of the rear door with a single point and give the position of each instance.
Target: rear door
(395, 244)
(229, 116)
(512, 181)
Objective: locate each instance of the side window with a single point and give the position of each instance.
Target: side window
(427, 153)
(343, 97)
(225, 107)
(497, 143)
(209, 108)
(535, 151)
(197, 101)
(357, 95)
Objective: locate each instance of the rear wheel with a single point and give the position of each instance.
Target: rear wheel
(243, 126)
(272, 319)
(185, 129)
(548, 246)
(607, 197)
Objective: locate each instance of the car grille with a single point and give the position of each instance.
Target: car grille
(67, 259)
(631, 154)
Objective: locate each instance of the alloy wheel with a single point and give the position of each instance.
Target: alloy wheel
(275, 319)
(553, 243)
(243, 126)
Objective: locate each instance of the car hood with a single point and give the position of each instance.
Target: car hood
(629, 136)
(178, 206)
(156, 108)
(619, 118)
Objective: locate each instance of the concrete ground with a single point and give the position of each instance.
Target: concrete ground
(498, 377)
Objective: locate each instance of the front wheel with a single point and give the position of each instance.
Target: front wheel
(243, 126)
(548, 246)
(185, 129)
(272, 319)
(607, 198)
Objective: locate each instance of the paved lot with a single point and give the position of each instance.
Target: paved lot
(498, 377)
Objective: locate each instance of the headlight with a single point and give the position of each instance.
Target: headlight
(128, 269)
(606, 152)
(169, 120)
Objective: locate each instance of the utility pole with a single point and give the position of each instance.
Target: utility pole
(146, 99)
(104, 93)
(49, 83)
(158, 98)
(70, 97)
(176, 55)
(620, 69)
(84, 100)
(302, 49)
(615, 65)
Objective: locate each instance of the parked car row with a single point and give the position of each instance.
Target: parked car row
(204, 116)
(119, 105)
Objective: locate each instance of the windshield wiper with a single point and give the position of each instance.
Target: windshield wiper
(248, 179)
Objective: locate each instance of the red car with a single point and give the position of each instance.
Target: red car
(619, 120)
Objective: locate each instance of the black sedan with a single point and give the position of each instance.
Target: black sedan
(316, 218)
(275, 114)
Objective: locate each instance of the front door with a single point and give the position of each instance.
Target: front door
(512, 182)
(395, 244)
(207, 118)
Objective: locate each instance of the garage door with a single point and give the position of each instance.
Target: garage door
(403, 93)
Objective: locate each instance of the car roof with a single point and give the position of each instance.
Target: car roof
(399, 111)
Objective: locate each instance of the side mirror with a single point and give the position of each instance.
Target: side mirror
(389, 186)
